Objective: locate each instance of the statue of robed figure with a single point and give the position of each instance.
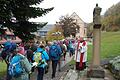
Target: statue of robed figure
(96, 15)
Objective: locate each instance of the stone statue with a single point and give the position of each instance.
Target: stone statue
(96, 15)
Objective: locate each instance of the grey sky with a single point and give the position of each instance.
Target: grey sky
(84, 8)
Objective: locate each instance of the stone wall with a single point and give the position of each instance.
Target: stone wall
(114, 67)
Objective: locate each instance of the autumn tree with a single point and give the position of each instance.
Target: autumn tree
(68, 25)
(111, 20)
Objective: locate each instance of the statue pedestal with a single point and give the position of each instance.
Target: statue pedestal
(96, 72)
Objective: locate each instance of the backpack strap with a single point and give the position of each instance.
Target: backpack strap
(42, 53)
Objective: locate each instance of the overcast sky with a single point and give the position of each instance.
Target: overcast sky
(84, 8)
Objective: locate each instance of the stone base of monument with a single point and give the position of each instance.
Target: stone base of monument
(96, 72)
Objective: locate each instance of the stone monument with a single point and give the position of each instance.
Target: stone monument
(96, 70)
(96, 15)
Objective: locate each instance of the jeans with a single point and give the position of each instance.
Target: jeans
(40, 73)
(8, 77)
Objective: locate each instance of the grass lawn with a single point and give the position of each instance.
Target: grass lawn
(2, 69)
(110, 47)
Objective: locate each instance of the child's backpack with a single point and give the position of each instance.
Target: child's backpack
(38, 58)
(53, 52)
(15, 68)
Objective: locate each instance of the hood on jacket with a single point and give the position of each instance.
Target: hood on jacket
(39, 49)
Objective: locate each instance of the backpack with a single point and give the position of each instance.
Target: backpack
(54, 54)
(8, 48)
(38, 58)
(15, 68)
(70, 45)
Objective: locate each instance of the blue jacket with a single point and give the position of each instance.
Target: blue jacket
(44, 56)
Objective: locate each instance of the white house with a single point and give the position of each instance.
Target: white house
(82, 32)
